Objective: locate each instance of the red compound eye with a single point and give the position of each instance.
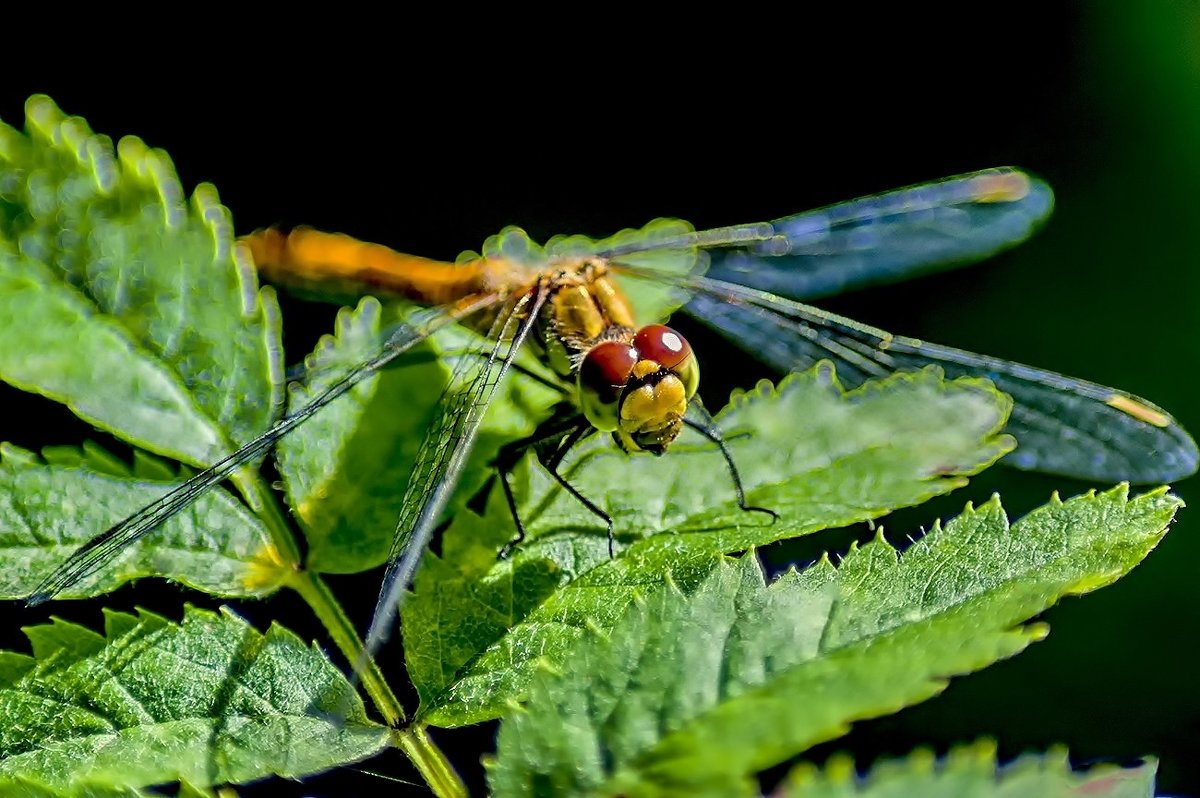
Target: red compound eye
(671, 350)
(606, 368)
(663, 345)
(602, 378)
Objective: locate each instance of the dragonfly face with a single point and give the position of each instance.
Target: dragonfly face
(639, 388)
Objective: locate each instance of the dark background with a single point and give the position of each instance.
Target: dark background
(428, 140)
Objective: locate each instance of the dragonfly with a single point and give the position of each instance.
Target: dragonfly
(639, 383)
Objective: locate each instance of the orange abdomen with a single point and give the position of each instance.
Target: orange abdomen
(336, 264)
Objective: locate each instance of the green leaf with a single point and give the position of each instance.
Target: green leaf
(29, 788)
(344, 469)
(132, 306)
(124, 301)
(475, 627)
(48, 509)
(187, 790)
(692, 694)
(968, 772)
(210, 700)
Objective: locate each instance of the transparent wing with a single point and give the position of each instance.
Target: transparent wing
(878, 239)
(891, 237)
(649, 239)
(1062, 425)
(442, 455)
(101, 549)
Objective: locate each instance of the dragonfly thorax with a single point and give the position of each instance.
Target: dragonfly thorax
(639, 388)
(586, 307)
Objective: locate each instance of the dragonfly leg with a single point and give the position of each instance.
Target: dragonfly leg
(551, 465)
(710, 431)
(550, 442)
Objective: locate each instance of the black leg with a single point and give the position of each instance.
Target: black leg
(558, 387)
(551, 465)
(551, 442)
(710, 431)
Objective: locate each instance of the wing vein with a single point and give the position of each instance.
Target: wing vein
(443, 454)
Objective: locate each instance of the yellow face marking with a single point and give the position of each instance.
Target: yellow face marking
(1138, 410)
(1007, 187)
(644, 368)
(652, 407)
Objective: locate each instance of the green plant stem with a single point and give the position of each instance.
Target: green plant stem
(322, 601)
(430, 761)
(266, 507)
(416, 745)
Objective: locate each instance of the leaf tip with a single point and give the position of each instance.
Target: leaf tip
(980, 754)
(1037, 632)
(840, 769)
(42, 115)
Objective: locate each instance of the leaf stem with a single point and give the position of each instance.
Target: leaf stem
(266, 507)
(430, 762)
(322, 601)
(416, 745)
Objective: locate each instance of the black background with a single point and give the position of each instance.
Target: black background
(429, 139)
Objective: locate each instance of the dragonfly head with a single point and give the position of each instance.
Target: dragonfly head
(639, 390)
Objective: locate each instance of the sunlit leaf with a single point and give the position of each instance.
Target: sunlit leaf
(694, 693)
(210, 700)
(48, 509)
(124, 300)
